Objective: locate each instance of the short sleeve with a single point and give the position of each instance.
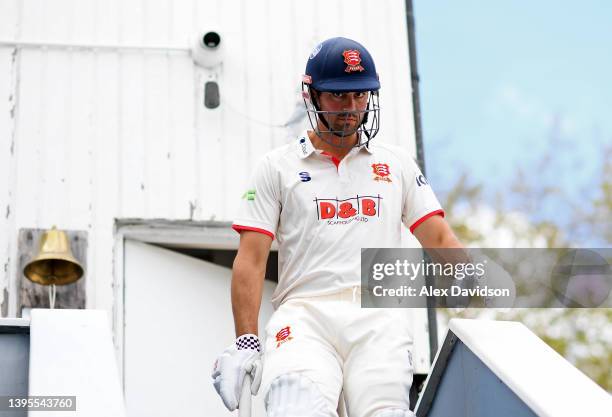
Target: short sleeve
(419, 200)
(260, 205)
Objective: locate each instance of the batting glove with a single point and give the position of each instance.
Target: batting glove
(231, 367)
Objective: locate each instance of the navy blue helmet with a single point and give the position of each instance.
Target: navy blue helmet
(341, 65)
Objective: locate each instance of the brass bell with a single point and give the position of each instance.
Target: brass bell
(54, 263)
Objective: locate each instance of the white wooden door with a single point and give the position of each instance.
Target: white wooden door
(178, 318)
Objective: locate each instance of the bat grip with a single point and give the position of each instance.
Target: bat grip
(244, 406)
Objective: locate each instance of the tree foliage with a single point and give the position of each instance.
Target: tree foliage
(527, 214)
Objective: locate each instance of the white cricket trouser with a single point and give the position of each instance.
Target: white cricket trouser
(340, 346)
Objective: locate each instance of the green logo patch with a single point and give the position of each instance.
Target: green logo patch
(249, 195)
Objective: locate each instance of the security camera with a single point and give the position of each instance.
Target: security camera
(206, 51)
(211, 40)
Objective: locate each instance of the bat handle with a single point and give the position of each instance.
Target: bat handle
(244, 405)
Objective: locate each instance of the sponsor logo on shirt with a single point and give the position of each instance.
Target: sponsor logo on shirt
(382, 172)
(283, 335)
(303, 145)
(344, 211)
(249, 195)
(420, 180)
(304, 176)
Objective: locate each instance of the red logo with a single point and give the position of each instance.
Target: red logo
(283, 335)
(358, 208)
(352, 59)
(381, 171)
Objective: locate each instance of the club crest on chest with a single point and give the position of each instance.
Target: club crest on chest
(382, 172)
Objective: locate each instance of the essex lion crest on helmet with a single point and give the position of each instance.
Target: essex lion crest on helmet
(352, 59)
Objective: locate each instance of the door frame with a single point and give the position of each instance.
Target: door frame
(180, 233)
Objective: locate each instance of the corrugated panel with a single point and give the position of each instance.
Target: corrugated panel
(8, 102)
(104, 134)
(9, 67)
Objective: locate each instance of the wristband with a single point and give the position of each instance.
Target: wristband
(248, 341)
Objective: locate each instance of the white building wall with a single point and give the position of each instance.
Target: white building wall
(89, 135)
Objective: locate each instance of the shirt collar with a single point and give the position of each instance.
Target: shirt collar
(305, 147)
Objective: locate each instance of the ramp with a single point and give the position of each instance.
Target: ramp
(501, 368)
(61, 353)
(14, 360)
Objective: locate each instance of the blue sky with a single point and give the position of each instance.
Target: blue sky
(500, 78)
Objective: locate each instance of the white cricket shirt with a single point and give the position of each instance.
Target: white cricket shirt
(323, 212)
